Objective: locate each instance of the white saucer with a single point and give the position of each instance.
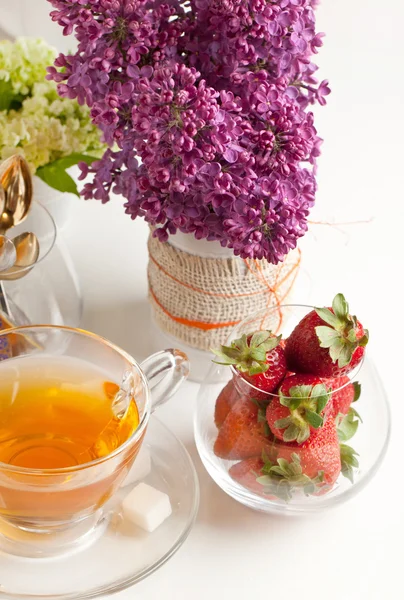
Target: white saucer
(121, 556)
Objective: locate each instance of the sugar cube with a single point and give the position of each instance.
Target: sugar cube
(140, 468)
(146, 507)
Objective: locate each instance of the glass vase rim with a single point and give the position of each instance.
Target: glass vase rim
(135, 436)
(54, 232)
(350, 375)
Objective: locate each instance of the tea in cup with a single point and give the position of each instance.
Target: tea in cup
(74, 410)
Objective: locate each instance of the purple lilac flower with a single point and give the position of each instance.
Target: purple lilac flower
(206, 113)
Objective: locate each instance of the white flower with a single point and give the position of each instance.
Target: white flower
(38, 123)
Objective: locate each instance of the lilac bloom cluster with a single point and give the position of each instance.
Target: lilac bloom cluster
(205, 109)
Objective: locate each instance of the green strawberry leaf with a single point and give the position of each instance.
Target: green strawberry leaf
(328, 317)
(347, 427)
(355, 414)
(305, 403)
(327, 336)
(357, 391)
(336, 349)
(345, 356)
(283, 423)
(301, 391)
(364, 339)
(340, 333)
(291, 433)
(248, 356)
(314, 419)
(348, 461)
(283, 463)
(303, 435)
(340, 307)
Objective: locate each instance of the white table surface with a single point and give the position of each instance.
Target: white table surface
(356, 550)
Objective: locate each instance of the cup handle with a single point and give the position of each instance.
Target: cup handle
(165, 371)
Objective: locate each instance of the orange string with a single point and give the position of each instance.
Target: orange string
(198, 324)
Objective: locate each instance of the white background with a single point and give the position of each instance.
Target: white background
(355, 551)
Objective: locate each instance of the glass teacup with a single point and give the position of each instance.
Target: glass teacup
(74, 409)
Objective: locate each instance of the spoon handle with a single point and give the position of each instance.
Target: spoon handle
(4, 305)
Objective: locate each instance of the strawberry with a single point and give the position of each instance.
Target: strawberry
(300, 408)
(345, 393)
(247, 472)
(244, 433)
(225, 402)
(274, 480)
(258, 357)
(328, 342)
(320, 454)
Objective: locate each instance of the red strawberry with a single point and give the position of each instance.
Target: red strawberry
(302, 405)
(247, 472)
(259, 358)
(274, 480)
(346, 393)
(225, 402)
(328, 342)
(244, 432)
(319, 454)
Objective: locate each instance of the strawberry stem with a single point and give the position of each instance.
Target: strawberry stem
(339, 334)
(248, 353)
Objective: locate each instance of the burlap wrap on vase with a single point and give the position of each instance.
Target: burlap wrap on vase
(199, 300)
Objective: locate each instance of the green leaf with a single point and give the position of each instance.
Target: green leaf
(340, 307)
(294, 403)
(345, 355)
(300, 391)
(284, 465)
(264, 480)
(322, 402)
(74, 159)
(291, 433)
(313, 419)
(265, 341)
(364, 339)
(6, 95)
(357, 391)
(261, 417)
(328, 317)
(248, 353)
(347, 428)
(57, 179)
(276, 470)
(327, 336)
(336, 348)
(296, 458)
(321, 395)
(355, 413)
(351, 337)
(282, 423)
(348, 461)
(257, 354)
(55, 175)
(303, 434)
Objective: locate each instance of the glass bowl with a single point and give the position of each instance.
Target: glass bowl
(271, 493)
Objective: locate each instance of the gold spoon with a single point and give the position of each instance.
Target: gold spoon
(27, 250)
(16, 181)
